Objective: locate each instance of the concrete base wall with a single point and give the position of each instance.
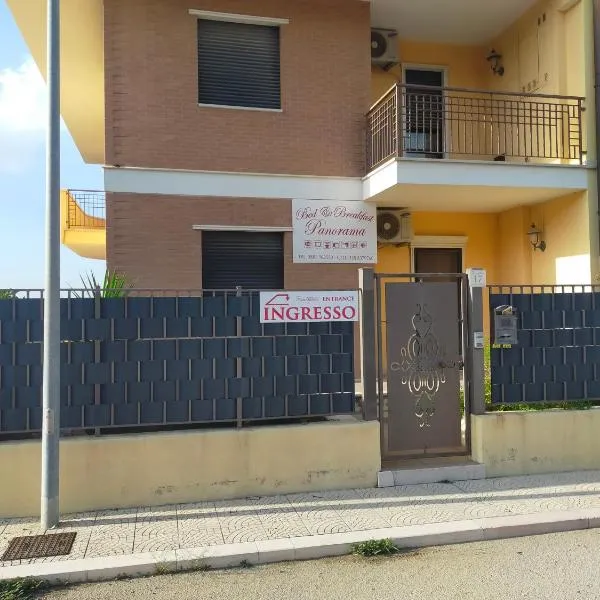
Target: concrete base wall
(527, 443)
(152, 469)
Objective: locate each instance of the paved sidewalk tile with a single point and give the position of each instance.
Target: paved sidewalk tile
(257, 522)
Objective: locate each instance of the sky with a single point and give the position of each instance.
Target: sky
(22, 170)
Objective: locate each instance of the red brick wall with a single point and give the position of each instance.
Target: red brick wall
(150, 239)
(152, 115)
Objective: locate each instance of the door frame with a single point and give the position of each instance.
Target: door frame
(444, 71)
(438, 241)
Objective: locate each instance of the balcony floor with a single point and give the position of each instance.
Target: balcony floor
(470, 185)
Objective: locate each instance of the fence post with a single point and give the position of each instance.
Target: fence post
(239, 409)
(97, 355)
(368, 371)
(476, 342)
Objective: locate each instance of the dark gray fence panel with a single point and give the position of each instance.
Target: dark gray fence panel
(558, 356)
(140, 361)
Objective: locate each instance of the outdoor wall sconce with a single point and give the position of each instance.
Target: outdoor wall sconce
(494, 59)
(534, 235)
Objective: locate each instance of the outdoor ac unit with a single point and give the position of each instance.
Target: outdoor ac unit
(384, 47)
(394, 227)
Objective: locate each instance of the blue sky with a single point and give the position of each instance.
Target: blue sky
(22, 169)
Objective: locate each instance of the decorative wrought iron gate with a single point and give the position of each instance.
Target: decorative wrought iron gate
(421, 333)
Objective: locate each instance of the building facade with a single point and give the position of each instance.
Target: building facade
(470, 128)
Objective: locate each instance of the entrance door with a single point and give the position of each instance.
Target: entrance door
(441, 260)
(438, 260)
(424, 120)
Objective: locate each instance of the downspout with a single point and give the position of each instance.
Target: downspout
(596, 23)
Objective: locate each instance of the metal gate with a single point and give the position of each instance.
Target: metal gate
(421, 333)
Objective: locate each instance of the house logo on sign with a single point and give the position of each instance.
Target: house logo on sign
(279, 300)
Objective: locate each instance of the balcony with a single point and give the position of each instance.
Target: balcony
(457, 123)
(83, 222)
(471, 139)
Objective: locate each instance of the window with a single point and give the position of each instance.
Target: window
(250, 260)
(238, 64)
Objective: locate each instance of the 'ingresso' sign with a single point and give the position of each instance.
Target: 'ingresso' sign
(295, 307)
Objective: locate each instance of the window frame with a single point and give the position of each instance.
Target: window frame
(242, 20)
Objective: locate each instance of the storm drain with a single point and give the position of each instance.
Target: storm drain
(39, 546)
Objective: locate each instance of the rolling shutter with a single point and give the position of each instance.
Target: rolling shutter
(238, 64)
(249, 260)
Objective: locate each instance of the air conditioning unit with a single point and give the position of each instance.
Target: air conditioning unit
(394, 226)
(384, 47)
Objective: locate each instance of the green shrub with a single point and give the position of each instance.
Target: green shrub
(20, 589)
(375, 548)
(114, 285)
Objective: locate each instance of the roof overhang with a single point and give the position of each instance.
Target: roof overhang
(82, 65)
(463, 22)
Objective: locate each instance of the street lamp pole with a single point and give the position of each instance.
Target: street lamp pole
(50, 514)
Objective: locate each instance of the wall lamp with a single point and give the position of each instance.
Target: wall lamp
(494, 59)
(534, 234)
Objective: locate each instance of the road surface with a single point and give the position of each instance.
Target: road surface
(551, 567)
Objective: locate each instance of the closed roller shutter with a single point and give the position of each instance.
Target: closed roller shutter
(238, 64)
(249, 260)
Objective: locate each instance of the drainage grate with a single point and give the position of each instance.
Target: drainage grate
(39, 546)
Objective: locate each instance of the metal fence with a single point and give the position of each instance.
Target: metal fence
(147, 359)
(453, 122)
(86, 209)
(558, 355)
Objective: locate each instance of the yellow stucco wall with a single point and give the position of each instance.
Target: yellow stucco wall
(566, 231)
(565, 222)
(524, 443)
(513, 247)
(544, 51)
(481, 230)
(498, 242)
(165, 468)
(465, 65)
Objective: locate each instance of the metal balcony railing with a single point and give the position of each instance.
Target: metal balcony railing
(431, 122)
(86, 209)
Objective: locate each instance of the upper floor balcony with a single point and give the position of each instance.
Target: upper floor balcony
(83, 222)
(453, 123)
(419, 135)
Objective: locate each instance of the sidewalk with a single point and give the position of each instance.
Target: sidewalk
(299, 526)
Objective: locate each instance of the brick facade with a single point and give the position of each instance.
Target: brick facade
(152, 240)
(153, 118)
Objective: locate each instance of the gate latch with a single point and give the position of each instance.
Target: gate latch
(451, 364)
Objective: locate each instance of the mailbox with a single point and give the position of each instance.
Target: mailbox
(505, 324)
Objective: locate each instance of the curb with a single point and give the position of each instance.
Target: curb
(302, 548)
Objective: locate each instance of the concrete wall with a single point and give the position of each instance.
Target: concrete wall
(166, 468)
(527, 443)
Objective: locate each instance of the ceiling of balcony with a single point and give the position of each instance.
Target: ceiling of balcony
(468, 22)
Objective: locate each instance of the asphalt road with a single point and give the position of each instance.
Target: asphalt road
(551, 567)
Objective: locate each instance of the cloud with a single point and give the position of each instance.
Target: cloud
(22, 115)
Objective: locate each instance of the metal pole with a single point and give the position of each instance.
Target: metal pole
(51, 369)
(475, 392)
(368, 352)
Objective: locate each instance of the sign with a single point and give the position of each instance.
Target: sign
(308, 307)
(478, 340)
(334, 232)
(477, 278)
